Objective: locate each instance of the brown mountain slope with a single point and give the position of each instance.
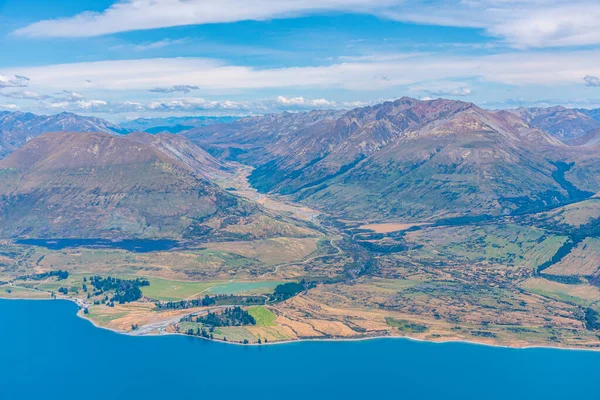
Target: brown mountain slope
(411, 159)
(472, 163)
(95, 185)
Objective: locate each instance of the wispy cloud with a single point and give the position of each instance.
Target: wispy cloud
(591, 81)
(175, 88)
(147, 46)
(9, 107)
(443, 89)
(25, 95)
(13, 81)
(520, 23)
(217, 77)
(131, 15)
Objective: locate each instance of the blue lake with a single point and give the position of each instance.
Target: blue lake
(134, 245)
(50, 353)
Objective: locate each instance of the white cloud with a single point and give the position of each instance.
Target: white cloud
(158, 44)
(175, 88)
(443, 89)
(146, 46)
(521, 23)
(302, 102)
(13, 81)
(67, 96)
(25, 95)
(215, 77)
(591, 81)
(128, 15)
(186, 105)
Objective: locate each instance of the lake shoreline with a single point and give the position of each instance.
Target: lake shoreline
(284, 342)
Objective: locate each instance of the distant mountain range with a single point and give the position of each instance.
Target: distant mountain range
(17, 128)
(563, 123)
(172, 124)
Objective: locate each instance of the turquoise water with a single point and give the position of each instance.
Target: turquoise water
(49, 353)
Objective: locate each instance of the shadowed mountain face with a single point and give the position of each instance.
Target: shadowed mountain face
(590, 139)
(96, 185)
(17, 128)
(592, 113)
(409, 160)
(563, 123)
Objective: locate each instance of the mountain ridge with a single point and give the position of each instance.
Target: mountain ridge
(366, 155)
(98, 185)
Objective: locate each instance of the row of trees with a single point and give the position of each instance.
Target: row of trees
(59, 274)
(223, 299)
(235, 316)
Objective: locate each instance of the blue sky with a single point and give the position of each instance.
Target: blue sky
(129, 58)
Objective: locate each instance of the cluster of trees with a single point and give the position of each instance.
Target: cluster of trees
(223, 299)
(566, 279)
(59, 274)
(126, 290)
(63, 290)
(235, 316)
(592, 319)
(202, 333)
(282, 292)
(287, 290)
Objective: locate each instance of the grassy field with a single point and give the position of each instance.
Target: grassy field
(406, 326)
(507, 244)
(168, 290)
(234, 334)
(266, 287)
(270, 251)
(262, 315)
(584, 294)
(8, 292)
(102, 315)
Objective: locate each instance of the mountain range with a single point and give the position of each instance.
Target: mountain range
(409, 160)
(561, 122)
(172, 124)
(17, 128)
